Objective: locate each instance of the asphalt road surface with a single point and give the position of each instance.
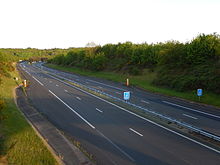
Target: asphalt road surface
(200, 116)
(114, 135)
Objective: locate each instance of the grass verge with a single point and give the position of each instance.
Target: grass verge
(19, 144)
(144, 81)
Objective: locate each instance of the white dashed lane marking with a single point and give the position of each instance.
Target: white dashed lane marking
(99, 110)
(78, 98)
(190, 116)
(136, 132)
(143, 101)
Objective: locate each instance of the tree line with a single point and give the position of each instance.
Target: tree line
(181, 66)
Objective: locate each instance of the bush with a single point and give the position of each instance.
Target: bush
(133, 70)
(5, 68)
(99, 62)
(204, 76)
(2, 106)
(181, 66)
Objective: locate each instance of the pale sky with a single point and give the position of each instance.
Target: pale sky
(74, 23)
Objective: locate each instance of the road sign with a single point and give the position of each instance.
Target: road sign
(199, 92)
(126, 95)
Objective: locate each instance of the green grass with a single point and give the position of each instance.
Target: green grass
(144, 81)
(19, 144)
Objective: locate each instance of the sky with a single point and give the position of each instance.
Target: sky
(73, 23)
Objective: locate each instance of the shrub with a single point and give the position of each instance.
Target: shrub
(2, 105)
(133, 70)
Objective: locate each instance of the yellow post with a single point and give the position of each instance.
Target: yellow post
(25, 83)
(127, 83)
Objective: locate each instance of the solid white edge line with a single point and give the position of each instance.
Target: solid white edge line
(72, 110)
(28, 73)
(116, 146)
(38, 81)
(99, 110)
(183, 136)
(191, 109)
(136, 132)
(189, 116)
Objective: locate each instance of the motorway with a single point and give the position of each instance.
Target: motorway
(203, 117)
(114, 135)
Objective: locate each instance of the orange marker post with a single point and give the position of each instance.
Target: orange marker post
(127, 82)
(25, 83)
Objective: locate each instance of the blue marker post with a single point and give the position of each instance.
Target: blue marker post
(126, 96)
(199, 93)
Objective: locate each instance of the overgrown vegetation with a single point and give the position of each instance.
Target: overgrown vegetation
(179, 66)
(5, 69)
(25, 54)
(19, 144)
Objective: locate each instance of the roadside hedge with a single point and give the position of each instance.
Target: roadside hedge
(180, 66)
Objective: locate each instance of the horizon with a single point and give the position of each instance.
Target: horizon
(114, 43)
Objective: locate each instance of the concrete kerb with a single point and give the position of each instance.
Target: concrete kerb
(52, 151)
